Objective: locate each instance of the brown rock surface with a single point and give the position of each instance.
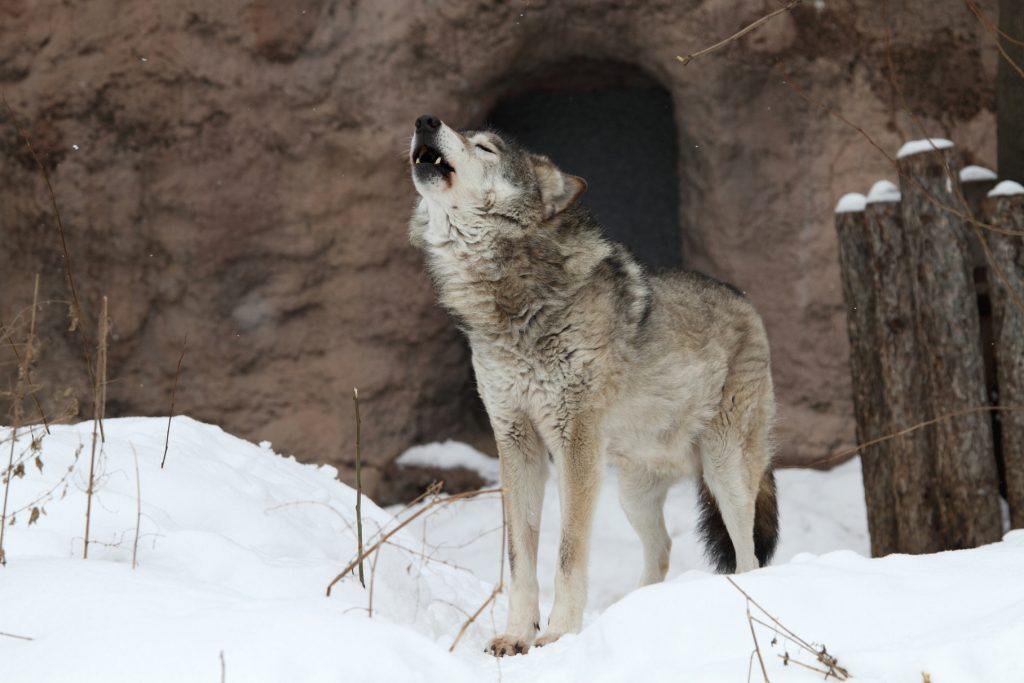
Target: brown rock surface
(235, 172)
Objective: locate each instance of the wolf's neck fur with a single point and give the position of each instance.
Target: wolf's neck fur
(500, 278)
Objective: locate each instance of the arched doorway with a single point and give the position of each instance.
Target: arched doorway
(614, 126)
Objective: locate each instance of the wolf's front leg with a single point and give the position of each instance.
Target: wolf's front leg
(579, 473)
(524, 472)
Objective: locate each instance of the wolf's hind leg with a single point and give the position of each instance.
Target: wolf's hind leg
(524, 472)
(731, 489)
(642, 496)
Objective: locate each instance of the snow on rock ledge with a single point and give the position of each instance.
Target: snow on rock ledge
(883, 192)
(1007, 188)
(920, 146)
(976, 174)
(851, 203)
(451, 454)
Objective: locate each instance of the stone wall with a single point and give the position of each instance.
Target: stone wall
(235, 172)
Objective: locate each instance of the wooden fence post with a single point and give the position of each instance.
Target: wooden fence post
(859, 294)
(1005, 209)
(902, 390)
(948, 334)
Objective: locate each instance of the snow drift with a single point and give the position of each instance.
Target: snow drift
(237, 545)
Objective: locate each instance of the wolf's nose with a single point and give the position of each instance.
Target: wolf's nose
(427, 123)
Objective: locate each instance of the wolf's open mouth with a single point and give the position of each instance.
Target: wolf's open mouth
(425, 155)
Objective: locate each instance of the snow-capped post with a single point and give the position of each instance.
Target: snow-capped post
(359, 486)
(1005, 209)
(859, 293)
(901, 391)
(949, 346)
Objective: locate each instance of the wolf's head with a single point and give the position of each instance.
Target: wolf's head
(474, 173)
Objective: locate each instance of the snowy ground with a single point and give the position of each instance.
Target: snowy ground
(237, 545)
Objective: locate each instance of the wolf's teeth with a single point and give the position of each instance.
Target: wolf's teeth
(437, 161)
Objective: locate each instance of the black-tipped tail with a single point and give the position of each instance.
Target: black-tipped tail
(718, 546)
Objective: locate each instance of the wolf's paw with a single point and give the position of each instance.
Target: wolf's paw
(548, 638)
(508, 645)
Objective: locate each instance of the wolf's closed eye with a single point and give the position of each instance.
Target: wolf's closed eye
(485, 148)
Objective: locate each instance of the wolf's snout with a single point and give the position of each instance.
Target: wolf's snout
(427, 124)
(427, 158)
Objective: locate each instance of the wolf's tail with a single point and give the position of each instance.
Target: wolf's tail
(718, 546)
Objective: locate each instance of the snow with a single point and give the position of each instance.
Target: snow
(976, 174)
(1007, 188)
(883, 192)
(851, 203)
(451, 454)
(238, 544)
(926, 145)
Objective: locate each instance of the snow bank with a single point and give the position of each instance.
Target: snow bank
(883, 192)
(238, 543)
(1007, 188)
(976, 174)
(921, 146)
(851, 202)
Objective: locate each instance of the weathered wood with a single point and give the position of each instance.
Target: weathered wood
(948, 334)
(1008, 329)
(902, 385)
(866, 375)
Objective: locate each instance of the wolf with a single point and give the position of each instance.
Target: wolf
(583, 359)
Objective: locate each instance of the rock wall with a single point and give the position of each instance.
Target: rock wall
(235, 172)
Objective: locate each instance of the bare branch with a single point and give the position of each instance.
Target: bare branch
(739, 34)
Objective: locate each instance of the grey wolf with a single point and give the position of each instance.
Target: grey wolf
(582, 359)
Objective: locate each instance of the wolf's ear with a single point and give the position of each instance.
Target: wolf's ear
(558, 190)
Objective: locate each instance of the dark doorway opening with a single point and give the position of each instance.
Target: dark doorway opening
(615, 127)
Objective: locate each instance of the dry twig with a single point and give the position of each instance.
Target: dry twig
(138, 508)
(20, 387)
(174, 391)
(384, 537)
(822, 655)
(500, 586)
(14, 635)
(359, 489)
(100, 377)
(686, 59)
(76, 307)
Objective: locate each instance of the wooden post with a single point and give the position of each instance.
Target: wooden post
(859, 293)
(902, 381)
(948, 334)
(1005, 208)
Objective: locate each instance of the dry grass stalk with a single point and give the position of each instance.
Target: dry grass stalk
(373, 580)
(829, 661)
(383, 538)
(15, 635)
(845, 453)
(100, 377)
(500, 586)
(359, 489)
(138, 509)
(174, 391)
(76, 316)
(25, 364)
(739, 34)
(757, 647)
(21, 386)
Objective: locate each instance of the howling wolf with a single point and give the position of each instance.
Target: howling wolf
(582, 358)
